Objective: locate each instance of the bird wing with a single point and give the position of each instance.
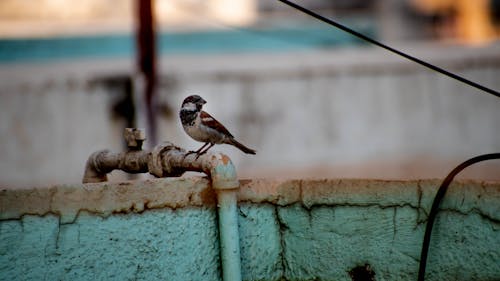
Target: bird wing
(209, 121)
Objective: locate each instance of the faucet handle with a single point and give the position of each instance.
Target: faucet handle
(134, 138)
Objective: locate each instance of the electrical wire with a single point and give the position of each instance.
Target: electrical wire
(444, 186)
(388, 48)
(435, 206)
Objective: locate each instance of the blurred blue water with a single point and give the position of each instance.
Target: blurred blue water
(211, 42)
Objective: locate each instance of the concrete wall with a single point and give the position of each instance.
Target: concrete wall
(289, 230)
(332, 113)
(347, 112)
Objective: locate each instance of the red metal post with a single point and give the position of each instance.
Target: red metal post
(146, 56)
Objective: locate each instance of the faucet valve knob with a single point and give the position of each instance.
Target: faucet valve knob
(134, 138)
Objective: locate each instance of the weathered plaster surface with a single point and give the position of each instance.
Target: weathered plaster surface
(155, 245)
(105, 198)
(289, 229)
(463, 196)
(327, 227)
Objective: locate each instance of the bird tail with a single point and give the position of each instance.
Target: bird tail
(242, 147)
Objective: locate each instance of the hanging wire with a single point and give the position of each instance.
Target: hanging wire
(388, 48)
(437, 201)
(449, 178)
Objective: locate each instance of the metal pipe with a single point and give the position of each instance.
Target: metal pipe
(225, 182)
(102, 162)
(169, 160)
(229, 234)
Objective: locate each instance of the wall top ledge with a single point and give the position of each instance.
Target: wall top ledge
(104, 199)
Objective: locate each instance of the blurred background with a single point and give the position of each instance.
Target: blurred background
(311, 99)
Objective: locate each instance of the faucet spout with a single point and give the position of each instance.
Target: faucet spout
(102, 162)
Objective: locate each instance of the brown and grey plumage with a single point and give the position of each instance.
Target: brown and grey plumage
(202, 127)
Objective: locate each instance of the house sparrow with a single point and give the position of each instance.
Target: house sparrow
(204, 128)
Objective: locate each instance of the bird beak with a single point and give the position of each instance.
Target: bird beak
(203, 101)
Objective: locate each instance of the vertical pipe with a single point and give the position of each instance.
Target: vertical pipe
(229, 236)
(226, 184)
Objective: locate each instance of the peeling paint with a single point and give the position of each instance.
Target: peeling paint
(106, 199)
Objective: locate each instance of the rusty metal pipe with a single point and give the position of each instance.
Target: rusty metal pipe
(169, 160)
(164, 160)
(224, 180)
(102, 162)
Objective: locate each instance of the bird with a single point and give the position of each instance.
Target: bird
(202, 127)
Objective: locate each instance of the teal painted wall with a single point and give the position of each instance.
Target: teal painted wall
(325, 242)
(287, 237)
(161, 244)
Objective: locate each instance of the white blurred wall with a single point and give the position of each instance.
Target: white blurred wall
(339, 113)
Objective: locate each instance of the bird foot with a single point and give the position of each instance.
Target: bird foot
(199, 154)
(189, 152)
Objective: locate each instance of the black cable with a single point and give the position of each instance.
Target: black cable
(368, 39)
(435, 206)
(444, 186)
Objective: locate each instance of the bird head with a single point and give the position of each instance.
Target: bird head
(193, 102)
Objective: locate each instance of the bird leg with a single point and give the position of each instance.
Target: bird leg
(204, 151)
(197, 151)
(201, 148)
